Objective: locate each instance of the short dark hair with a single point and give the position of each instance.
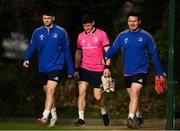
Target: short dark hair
(87, 18)
(136, 14)
(48, 11)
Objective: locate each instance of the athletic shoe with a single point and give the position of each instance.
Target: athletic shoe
(132, 123)
(80, 122)
(53, 122)
(41, 121)
(140, 120)
(106, 119)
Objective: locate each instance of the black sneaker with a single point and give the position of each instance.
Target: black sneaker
(106, 119)
(80, 122)
(132, 123)
(140, 120)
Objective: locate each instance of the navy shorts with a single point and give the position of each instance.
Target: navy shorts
(137, 78)
(92, 77)
(54, 75)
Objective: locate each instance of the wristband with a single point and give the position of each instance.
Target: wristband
(107, 67)
(76, 69)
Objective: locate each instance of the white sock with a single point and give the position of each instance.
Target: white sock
(46, 114)
(53, 113)
(81, 115)
(103, 110)
(131, 115)
(138, 114)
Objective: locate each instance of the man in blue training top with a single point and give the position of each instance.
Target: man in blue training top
(136, 45)
(52, 43)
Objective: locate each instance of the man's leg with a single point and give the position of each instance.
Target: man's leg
(100, 99)
(49, 90)
(54, 119)
(81, 102)
(134, 93)
(134, 97)
(53, 109)
(50, 98)
(139, 114)
(98, 96)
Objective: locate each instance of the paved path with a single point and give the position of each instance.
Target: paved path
(116, 124)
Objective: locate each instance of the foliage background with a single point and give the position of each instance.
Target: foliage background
(22, 96)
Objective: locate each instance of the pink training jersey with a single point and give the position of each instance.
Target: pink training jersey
(92, 45)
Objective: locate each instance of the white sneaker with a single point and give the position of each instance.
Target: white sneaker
(53, 122)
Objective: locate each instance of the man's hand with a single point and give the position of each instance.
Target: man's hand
(26, 63)
(106, 72)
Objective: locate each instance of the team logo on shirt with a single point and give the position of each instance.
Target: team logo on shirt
(126, 40)
(55, 35)
(140, 39)
(95, 39)
(41, 37)
(83, 41)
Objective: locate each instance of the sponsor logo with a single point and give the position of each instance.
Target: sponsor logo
(90, 47)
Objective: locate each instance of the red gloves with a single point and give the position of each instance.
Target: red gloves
(160, 84)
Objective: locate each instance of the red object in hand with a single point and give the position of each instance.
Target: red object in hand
(163, 82)
(160, 84)
(158, 87)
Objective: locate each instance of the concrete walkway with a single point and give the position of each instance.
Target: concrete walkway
(150, 124)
